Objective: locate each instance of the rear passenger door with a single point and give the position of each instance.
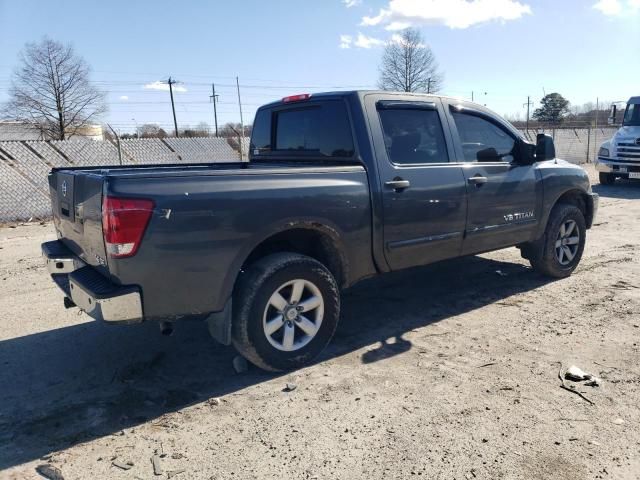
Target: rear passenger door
(423, 194)
(503, 197)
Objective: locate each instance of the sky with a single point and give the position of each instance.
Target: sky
(501, 50)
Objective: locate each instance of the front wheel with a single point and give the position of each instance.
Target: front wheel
(560, 249)
(606, 178)
(286, 309)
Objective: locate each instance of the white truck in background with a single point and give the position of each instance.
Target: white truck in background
(620, 156)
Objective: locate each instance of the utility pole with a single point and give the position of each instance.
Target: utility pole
(172, 82)
(472, 95)
(595, 130)
(214, 99)
(429, 85)
(241, 121)
(528, 104)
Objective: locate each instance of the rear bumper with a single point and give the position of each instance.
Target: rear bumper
(89, 290)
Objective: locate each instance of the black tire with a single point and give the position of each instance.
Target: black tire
(542, 254)
(606, 178)
(251, 296)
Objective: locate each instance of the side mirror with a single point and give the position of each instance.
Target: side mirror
(612, 116)
(488, 155)
(545, 149)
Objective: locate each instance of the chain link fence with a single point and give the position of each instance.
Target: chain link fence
(24, 165)
(24, 193)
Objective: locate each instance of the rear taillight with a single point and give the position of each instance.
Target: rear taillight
(124, 221)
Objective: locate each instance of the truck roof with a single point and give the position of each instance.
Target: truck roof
(634, 101)
(346, 93)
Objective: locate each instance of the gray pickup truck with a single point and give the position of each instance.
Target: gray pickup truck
(339, 187)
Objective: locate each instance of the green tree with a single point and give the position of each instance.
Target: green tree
(553, 108)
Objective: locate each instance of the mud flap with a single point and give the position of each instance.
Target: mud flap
(219, 324)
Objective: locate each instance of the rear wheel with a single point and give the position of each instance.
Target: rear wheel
(286, 309)
(607, 178)
(560, 250)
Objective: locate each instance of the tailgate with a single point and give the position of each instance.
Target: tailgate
(76, 200)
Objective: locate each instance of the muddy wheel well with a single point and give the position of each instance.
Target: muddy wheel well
(306, 241)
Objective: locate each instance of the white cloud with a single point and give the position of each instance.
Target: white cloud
(401, 14)
(362, 41)
(124, 98)
(351, 3)
(609, 7)
(616, 8)
(158, 85)
(346, 41)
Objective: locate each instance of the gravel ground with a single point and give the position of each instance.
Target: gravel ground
(447, 371)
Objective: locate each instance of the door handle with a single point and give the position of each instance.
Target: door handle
(398, 184)
(477, 180)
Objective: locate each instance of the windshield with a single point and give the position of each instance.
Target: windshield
(632, 116)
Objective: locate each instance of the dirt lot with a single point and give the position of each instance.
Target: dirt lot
(448, 371)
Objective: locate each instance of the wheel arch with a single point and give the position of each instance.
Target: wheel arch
(579, 199)
(316, 239)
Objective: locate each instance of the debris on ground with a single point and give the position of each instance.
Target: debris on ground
(593, 382)
(618, 421)
(570, 388)
(49, 471)
(173, 473)
(214, 402)
(157, 468)
(576, 374)
(290, 387)
(240, 364)
(121, 464)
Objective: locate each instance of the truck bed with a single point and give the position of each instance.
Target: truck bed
(206, 220)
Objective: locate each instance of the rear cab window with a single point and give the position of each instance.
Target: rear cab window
(307, 129)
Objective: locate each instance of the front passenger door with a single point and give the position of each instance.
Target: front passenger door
(502, 196)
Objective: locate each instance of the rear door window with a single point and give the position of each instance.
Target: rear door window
(413, 136)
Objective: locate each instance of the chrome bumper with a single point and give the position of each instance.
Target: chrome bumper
(89, 290)
(59, 259)
(611, 165)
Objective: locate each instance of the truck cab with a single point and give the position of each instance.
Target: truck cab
(620, 156)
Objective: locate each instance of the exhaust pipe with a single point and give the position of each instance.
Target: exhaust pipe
(166, 328)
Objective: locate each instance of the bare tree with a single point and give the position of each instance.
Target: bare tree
(151, 130)
(409, 65)
(51, 90)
